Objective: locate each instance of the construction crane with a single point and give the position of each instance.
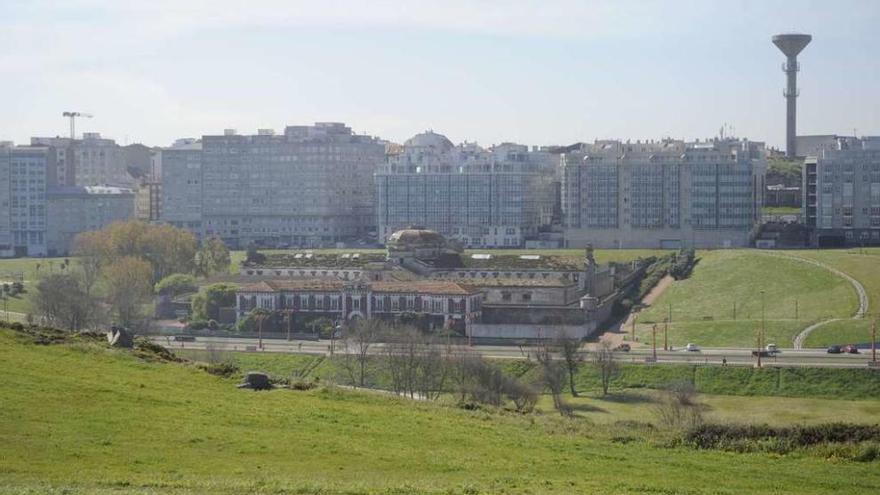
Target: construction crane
(73, 116)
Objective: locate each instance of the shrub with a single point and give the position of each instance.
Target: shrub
(197, 325)
(224, 369)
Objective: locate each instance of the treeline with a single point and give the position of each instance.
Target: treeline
(419, 365)
(116, 271)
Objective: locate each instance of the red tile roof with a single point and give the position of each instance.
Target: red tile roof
(439, 287)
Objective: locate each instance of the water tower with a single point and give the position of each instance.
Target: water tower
(791, 45)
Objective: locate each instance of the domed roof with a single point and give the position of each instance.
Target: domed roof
(429, 139)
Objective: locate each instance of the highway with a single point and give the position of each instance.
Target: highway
(710, 356)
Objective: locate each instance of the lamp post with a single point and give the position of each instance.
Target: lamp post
(654, 335)
(874, 342)
(761, 330)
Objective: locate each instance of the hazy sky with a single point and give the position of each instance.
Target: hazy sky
(536, 72)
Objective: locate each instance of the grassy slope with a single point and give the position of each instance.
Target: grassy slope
(722, 278)
(863, 265)
(99, 420)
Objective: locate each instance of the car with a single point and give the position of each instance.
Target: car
(762, 353)
(834, 349)
(691, 347)
(851, 349)
(184, 338)
(623, 348)
(772, 348)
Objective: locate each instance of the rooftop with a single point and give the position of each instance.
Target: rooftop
(443, 287)
(309, 259)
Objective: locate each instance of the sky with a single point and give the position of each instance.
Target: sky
(534, 72)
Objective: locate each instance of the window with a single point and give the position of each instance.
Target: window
(527, 296)
(505, 296)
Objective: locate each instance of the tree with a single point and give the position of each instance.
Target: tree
(253, 255)
(167, 249)
(129, 286)
(605, 365)
(91, 250)
(572, 357)
(212, 257)
(553, 376)
(358, 339)
(207, 303)
(176, 284)
(62, 301)
(677, 406)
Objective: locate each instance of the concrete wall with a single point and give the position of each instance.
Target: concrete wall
(528, 332)
(655, 238)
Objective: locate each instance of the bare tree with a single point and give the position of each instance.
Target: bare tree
(553, 376)
(416, 366)
(129, 287)
(605, 365)
(572, 357)
(358, 340)
(677, 406)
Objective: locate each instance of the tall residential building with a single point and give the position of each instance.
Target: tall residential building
(93, 160)
(311, 186)
(73, 210)
(493, 197)
(24, 178)
(179, 168)
(841, 189)
(665, 194)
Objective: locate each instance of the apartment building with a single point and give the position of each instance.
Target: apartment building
(25, 173)
(841, 188)
(94, 161)
(496, 197)
(73, 210)
(309, 187)
(179, 190)
(664, 194)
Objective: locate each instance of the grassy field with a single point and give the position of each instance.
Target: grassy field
(84, 419)
(724, 282)
(864, 266)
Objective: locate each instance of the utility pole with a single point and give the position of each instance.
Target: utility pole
(665, 335)
(654, 335)
(289, 324)
(873, 340)
(633, 336)
(260, 330)
(796, 309)
(734, 310)
(669, 313)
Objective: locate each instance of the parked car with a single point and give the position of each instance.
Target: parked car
(623, 348)
(851, 349)
(772, 348)
(691, 347)
(184, 338)
(835, 349)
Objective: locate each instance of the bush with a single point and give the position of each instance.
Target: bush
(212, 325)
(224, 369)
(197, 325)
(746, 438)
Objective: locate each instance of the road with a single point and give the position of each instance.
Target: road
(713, 356)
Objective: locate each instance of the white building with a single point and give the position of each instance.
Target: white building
(496, 197)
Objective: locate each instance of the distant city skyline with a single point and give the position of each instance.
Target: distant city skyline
(532, 72)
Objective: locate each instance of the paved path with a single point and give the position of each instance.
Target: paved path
(860, 290)
(614, 335)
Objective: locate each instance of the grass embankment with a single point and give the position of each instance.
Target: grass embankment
(85, 419)
(702, 306)
(864, 266)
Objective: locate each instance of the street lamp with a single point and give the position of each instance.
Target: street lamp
(762, 329)
(654, 335)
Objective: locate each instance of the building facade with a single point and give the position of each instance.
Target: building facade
(93, 160)
(25, 174)
(496, 197)
(309, 187)
(444, 304)
(180, 195)
(666, 194)
(841, 193)
(73, 210)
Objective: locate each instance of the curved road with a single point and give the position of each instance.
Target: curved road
(860, 290)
